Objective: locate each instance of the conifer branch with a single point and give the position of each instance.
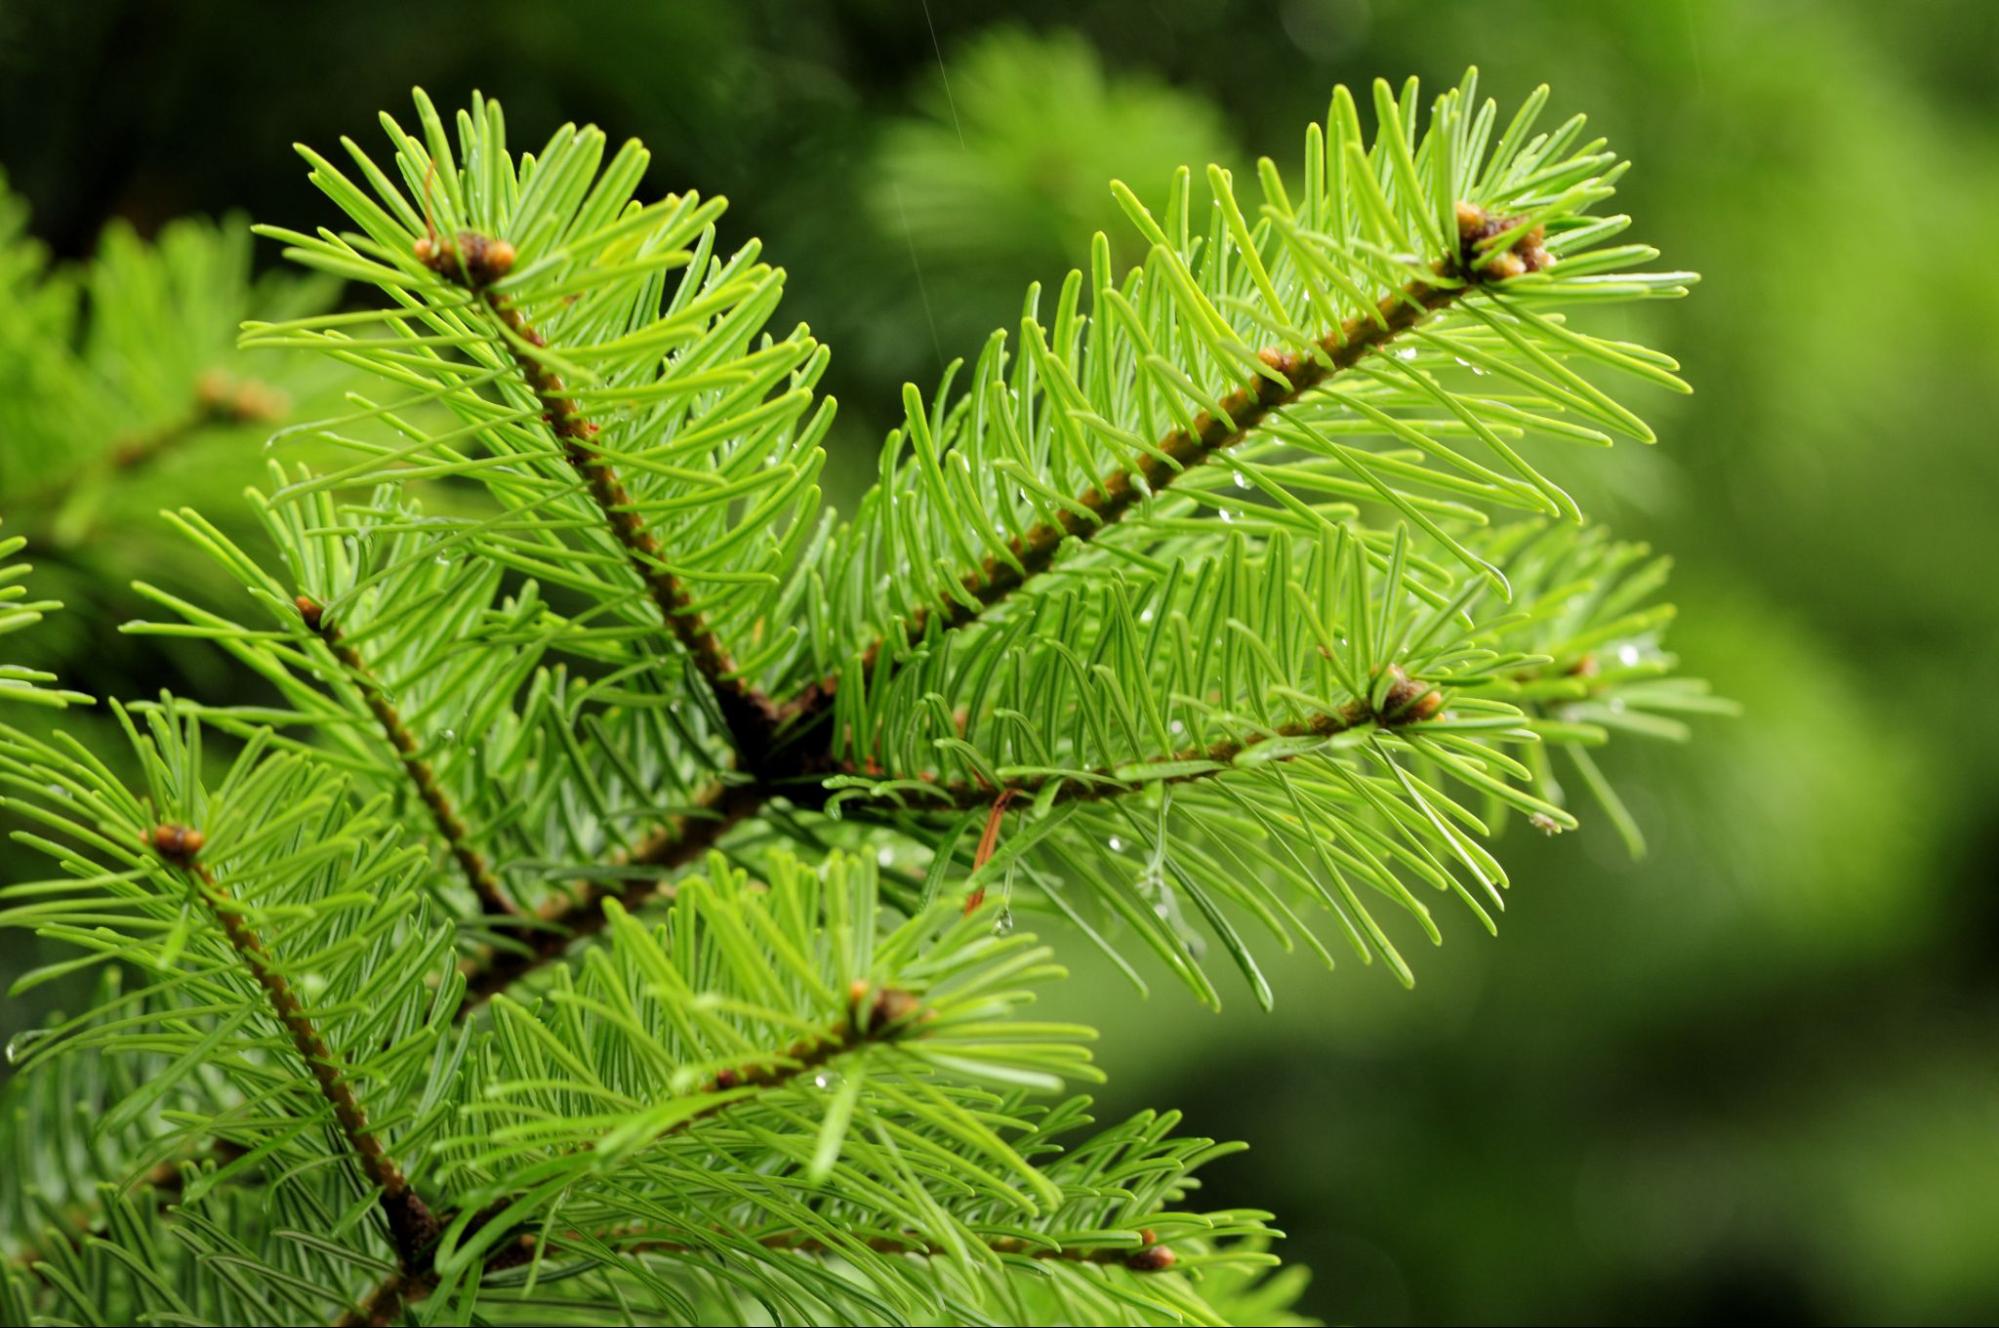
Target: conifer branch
(476, 261)
(218, 400)
(1293, 377)
(493, 898)
(412, 1225)
(1407, 703)
(874, 1016)
(1148, 1257)
(1108, 501)
(1339, 707)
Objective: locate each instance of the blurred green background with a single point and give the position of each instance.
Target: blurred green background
(1755, 1076)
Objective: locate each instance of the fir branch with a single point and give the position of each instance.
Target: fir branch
(218, 400)
(1293, 377)
(1149, 1256)
(493, 898)
(411, 1223)
(874, 1016)
(1407, 703)
(476, 261)
(600, 402)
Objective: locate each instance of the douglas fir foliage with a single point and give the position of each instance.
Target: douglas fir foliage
(607, 910)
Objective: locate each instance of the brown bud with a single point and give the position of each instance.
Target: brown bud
(310, 610)
(486, 260)
(892, 1006)
(1532, 256)
(727, 1079)
(176, 843)
(1586, 667)
(1525, 254)
(1151, 1259)
(1409, 701)
(1283, 361)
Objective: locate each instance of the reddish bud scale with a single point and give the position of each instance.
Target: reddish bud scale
(479, 259)
(1410, 701)
(1525, 254)
(176, 843)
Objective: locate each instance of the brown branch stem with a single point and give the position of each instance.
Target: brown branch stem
(412, 1225)
(1408, 703)
(475, 262)
(1149, 1257)
(874, 1015)
(581, 913)
(493, 898)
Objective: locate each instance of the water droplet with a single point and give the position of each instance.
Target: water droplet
(448, 736)
(1117, 845)
(1616, 705)
(1176, 727)
(1627, 655)
(1227, 516)
(1406, 353)
(826, 1079)
(1145, 615)
(22, 1043)
(1241, 480)
(885, 856)
(1003, 923)
(58, 791)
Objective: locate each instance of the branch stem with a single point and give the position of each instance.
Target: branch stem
(581, 914)
(493, 898)
(874, 1015)
(750, 716)
(1407, 703)
(412, 1225)
(1150, 1257)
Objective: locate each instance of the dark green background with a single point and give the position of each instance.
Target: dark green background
(1755, 1076)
